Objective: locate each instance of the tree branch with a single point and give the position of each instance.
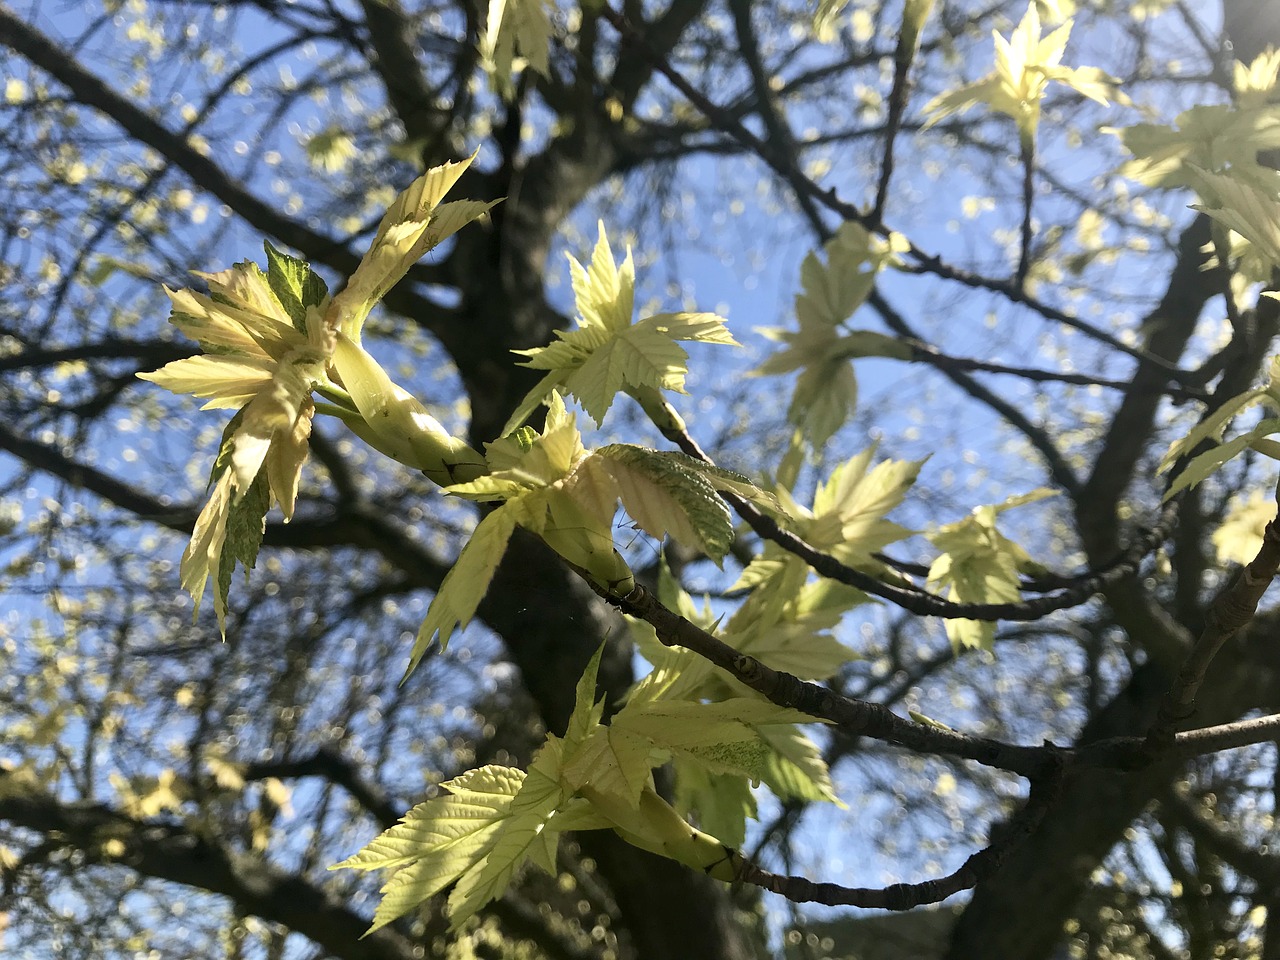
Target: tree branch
(920, 602)
(171, 851)
(1230, 612)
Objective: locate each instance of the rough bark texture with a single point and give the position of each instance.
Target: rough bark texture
(1019, 913)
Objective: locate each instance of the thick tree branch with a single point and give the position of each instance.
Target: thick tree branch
(171, 851)
(1230, 613)
(328, 764)
(874, 720)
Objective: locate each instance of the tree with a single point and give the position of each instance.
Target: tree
(167, 791)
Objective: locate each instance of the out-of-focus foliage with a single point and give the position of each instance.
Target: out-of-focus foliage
(1020, 318)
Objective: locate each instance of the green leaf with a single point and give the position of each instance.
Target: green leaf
(687, 726)
(414, 223)
(914, 15)
(512, 26)
(226, 448)
(1025, 64)
(581, 538)
(848, 518)
(1239, 537)
(614, 762)
(246, 523)
(979, 565)
(475, 798)
(1212, 137)
(825, 396)
(743, 757)
(719, 803)
(466, 583)
(797, 641)
(636, 356)
(438, 840)
(515, 840)
(1212, 426)
(1208, 462)
(587, 710)
(603, 292)
(295, 285)
(826, 392)
(794, 768)
(760, 570)
(607, 352)
(666, 494)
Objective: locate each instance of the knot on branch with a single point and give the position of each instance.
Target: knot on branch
(747, 668)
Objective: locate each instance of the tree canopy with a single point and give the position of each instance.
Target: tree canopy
(639, 481)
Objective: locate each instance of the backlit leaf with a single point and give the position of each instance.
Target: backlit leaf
(466, 583)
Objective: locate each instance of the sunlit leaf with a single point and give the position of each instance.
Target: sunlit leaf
(607, 352)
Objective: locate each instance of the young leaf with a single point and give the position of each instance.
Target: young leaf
(1213, 137)
(664, 494)
(465, 585)
(1025, 65)
(607, 352)
(794, 768)
(1212, 426)
(1208, 462)
(1239, 537)
(515, 839)
(246, 523)
(824, 398)
(438, 840)
(708, 731)
(721, 803)
(582, 539)
(654, 825)
(295, 285)
(1249, 211)
(512, 26)
(979, 565)
(586, 709)
(414, 223)
(826, 392)
(848, 515)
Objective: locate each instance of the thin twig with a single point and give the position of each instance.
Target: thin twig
(905, 896)
(898, 94)
(915, 600)
(1028, 156)
(927, 353)
(725, 121)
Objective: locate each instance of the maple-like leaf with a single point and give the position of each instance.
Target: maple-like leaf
(826, 391)
(979, 564)
(1026, 63)
(271, 338)
(515, 27)
(607, 352)
(438, 840)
